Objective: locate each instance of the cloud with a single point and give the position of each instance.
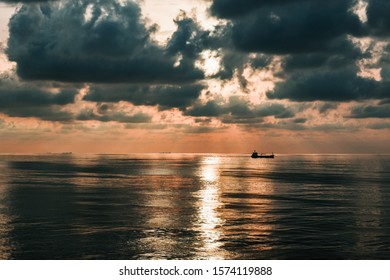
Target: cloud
(109, 46)
(385, 73)
(210, 109)
(368, 111)
(311, 38)
(45, 102)
(52, 113)
(385, 101)
(96, 41)
(230, 9)
(238, 110)
(326, 107)
(32, 101)
(189, 39)
(164, 96)
(300, 120)
(378, 17)
(343, 85)
(88, 115)
(33, 97)
(296, 27)
(377, 10)
(26, 1)
(340, 53)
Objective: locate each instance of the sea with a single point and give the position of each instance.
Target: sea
(169, 206)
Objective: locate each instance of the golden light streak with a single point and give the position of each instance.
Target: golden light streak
(209, 202)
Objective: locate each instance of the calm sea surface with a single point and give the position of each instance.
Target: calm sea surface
(194, 206)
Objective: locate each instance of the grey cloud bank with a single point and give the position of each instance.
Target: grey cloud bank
(109, 46)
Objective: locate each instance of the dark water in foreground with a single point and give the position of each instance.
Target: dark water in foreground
(184, 206)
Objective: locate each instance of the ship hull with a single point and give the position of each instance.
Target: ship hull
(263, 156)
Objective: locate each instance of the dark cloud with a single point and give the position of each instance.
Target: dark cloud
(295, 27)
(97, 41)
(238, 110)
(313, 39)
(342, 85)
(108, 42)
(319, 58)
(26, 1)
(104, 42)
(232, 8)
(189, 39)
(260, 61)
(385, 101)
(378, 19)
(210, 109)
(30, 101)
(326, 107)
(164, 96)
(232, 62)
(33, 97)
(300, 120)
(277, 110)
(52, 113)
(340, 53)
(385, 72)
(369, 111)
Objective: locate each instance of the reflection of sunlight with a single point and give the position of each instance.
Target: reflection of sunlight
(209, 174)
(208, 215)
(209, 170)
(209, 202)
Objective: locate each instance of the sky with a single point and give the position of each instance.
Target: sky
(207, 76)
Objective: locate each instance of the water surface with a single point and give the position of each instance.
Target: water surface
(194, 206)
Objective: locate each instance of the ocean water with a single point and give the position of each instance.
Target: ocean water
(194, 206)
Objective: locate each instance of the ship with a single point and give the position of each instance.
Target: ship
(262, 155)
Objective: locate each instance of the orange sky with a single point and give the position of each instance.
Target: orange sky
(227, 110)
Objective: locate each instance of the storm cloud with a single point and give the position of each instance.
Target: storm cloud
(163, 96)
(27, 97)
(24, 101)
(378, 18)
(296, 27)
(94, 41)
(311, 54)
(231, 8)
(369, 111)
(26, 1)
(238, 110)
(343, 85)
(316, 42)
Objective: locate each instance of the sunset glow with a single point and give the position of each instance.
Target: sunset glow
(194, 76)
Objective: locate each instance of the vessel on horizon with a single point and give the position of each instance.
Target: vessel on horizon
(262, 155)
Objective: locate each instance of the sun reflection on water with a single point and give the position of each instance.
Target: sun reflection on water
(209, 202)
